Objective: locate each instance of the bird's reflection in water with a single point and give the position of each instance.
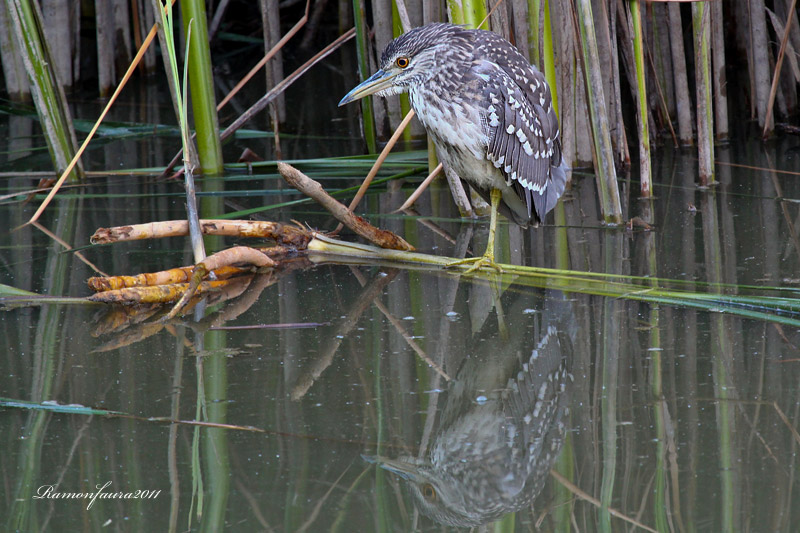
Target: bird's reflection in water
(502, 426)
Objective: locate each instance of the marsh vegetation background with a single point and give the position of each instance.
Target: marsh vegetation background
(669, 416)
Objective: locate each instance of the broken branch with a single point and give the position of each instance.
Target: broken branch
(311, 188)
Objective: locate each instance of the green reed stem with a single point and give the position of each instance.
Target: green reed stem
(362, 53)
(468, 12)
(48, 95)
(773, 309)
(195, 234)
(204, 102)
(601, 133)
(701, 24)
(534, 7)
(641, 93)
(548, 56)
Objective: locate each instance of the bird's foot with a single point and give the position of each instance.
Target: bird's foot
(477, 263)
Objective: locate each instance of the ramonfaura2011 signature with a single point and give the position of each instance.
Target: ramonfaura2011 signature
(49, 492)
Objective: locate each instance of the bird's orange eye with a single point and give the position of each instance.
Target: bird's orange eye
(429, 492)
(402, 61)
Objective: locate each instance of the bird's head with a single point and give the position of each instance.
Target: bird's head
(413, 58)
(437, 494)
(458, 495)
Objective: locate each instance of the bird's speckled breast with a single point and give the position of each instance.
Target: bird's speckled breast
(459, 134)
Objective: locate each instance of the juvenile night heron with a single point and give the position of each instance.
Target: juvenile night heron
(502, 426)
(488, 111)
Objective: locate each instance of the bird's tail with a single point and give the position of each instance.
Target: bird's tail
(546, 201)
(558, 181)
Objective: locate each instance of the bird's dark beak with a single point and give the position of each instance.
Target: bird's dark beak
(405, 470)
(377, 82)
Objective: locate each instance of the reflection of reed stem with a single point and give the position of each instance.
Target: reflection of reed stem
(325, 359)
(403, 333)
(574, 489)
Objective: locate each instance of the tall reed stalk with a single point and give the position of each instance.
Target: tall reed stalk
(645, 170)
(681, 80)
(48, 94)
(701, 23)
(720, 78)
(362, 52)
(166, 27)
(534, 26)
(16, 80)
(201, 82)
(601, 135)
(548, 56)
(468, 12)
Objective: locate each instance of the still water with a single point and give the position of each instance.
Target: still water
(383, 398)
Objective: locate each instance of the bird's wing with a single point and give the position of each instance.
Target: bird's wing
(522, 131)
(535, 401)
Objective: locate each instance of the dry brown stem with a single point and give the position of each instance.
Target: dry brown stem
(146, 295)
(231, 256)
(362, 190)
(273, 93)
(151, 279)
(237, 254)
(274, 50)
(422, 186)
(312, 189)
(285, 234)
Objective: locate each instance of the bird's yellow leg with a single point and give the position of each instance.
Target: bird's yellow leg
(487, 259)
